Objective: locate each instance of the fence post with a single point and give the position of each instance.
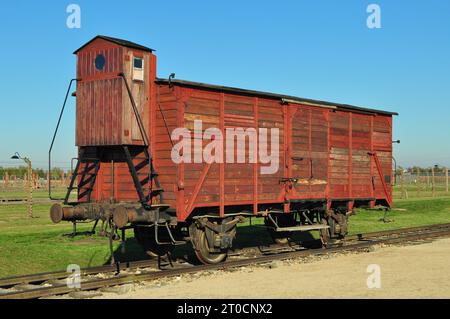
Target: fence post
(402, 185)
(6, 179)
(418, 182)
(446, 179)
(432, 182)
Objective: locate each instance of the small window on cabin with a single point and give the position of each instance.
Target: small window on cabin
(138, 69)
(100, 62)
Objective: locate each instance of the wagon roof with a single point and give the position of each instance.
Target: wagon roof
(121, 42)
(282, 97)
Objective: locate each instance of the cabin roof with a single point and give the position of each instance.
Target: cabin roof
(121, 42)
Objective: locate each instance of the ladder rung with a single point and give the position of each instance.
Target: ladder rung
(85, 174)
(156, 191)
(86, 188)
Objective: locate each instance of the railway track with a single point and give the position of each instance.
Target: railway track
(53, 283)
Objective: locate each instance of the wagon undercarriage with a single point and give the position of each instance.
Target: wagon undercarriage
(158, 231)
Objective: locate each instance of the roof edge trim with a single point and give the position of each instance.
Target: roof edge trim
(118, 41)
(281, 97)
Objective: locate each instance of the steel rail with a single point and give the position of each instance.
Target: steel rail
(45, 276)
(126, 279)
(398, 231)
(41, 277)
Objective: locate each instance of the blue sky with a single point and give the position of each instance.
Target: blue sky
(313, 49)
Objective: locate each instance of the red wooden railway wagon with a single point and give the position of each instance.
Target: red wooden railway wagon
(331, 157)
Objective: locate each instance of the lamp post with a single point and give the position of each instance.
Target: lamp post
(30, 181)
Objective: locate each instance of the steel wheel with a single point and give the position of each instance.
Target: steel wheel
(146, 238)
(202, 250)
(324, 233)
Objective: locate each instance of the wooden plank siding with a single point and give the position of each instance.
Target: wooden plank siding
(327, 150)
(331, 151)
(104, 114)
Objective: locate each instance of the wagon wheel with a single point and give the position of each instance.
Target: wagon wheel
(281, 237)
(202, 252)
(343, 223)
(325, 233)
(146, 238)
(201, 247)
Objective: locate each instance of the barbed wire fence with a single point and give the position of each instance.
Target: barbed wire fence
(410, 183)
(416, 183)
(14, 179)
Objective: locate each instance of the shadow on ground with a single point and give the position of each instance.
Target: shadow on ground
(247, 237)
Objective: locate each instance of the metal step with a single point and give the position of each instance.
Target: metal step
(301, 228)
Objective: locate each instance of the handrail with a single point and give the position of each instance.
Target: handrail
(380, 173)
(53, 141)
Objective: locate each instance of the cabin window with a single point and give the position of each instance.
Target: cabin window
(138, 69)
(100, 62)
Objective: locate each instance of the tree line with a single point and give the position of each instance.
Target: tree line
(20, 171)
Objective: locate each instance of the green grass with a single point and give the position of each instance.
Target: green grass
(20, 192)
(29, 245)
(37, 245)
(406, 213)
(419, 191)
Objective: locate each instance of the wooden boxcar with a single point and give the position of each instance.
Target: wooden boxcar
(331, 157)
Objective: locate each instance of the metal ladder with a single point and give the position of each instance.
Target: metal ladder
(86, 172)
(144, 186)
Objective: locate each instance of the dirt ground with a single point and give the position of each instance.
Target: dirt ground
(415, 271)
